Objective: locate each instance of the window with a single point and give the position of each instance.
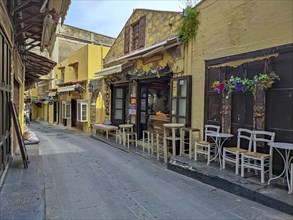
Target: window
(76, 72)
(181, 100)
(82, 110)
(66, 110)
(134, 35)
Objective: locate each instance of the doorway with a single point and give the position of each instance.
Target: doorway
(154, 97)
(73, 113)
(120, 102)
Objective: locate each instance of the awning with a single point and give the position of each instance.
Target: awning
(149, 50)
(37, 66)
(109, 71)
(70, 88)
(52, 93)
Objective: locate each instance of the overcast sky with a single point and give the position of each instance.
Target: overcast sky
(108, 17)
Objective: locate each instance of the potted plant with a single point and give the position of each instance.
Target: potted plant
(262, 81)
(266, 81)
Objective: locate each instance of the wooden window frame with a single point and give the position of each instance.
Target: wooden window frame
(177, 99)
(129, 41)
(66, 114)
(79, 112)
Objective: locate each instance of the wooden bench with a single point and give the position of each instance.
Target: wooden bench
(106, 128)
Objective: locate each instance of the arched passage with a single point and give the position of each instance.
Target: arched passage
(96, 86)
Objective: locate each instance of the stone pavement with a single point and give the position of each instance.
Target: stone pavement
(22, 195)
(76, 177)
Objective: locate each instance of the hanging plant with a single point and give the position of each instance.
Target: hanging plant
(189, 26)
(266, 81)
(261, 81)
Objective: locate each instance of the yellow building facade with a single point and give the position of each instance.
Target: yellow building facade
(238, 37)
(71, 99)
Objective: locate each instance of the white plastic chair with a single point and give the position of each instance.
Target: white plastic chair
(205, 147)
(257, 160)
(232, 154)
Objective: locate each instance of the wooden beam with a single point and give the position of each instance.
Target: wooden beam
(28, 27)
(28, 19)
(18, 7)
(32, 42)
(33, 46)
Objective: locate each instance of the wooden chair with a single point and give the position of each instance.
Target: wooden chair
(162, 150)
(131, 137)
(146, 140)
(205, 147)
(155, 137)
(257, 160)
(232, 154)
(119, 136)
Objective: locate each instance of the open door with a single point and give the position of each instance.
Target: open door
(120, 101)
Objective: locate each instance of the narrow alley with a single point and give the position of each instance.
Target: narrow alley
(76, 177)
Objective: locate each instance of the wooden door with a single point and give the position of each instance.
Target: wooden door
(120, 100)
(279, 99)
(213, 100)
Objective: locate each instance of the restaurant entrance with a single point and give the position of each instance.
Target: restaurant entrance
(153, 99)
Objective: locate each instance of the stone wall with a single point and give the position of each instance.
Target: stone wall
(160, 26)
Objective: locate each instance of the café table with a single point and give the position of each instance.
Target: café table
(287, 160)
(173, 127)
(219, 139)
(124, 128)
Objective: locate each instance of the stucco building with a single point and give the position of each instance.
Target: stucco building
(68, 39)
(243, 39)
(71, 98)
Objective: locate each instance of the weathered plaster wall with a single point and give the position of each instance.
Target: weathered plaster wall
(234, 27)
(80, 56)
(96, 54)
(172, 57)
(51, 114)
(160, 26)
(70, 39)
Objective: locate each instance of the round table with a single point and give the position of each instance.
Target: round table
(287, 160)
(220, 139)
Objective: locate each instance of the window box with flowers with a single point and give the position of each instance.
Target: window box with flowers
(262, 81)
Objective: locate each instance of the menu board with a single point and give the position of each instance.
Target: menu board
(132, 107)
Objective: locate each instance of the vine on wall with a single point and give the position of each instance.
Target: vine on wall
(188, 28)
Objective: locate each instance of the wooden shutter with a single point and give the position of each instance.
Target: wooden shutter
(126, 39)
(141, 35)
